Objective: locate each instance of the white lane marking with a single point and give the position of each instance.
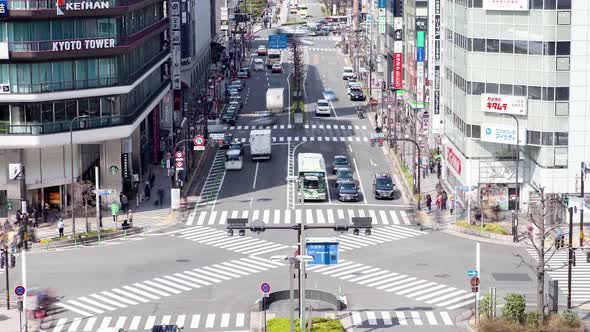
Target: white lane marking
(255, 176)
(266, 216)
(60, 324)
(109, 301)
(333, 109)
(224, 320)
(255, 215)
(287, 216)
(446, 318)
(89, 324)
(120, 322)
(416, 318)
(401, 318)
(356, 318)
(149, 323)
(383, 216)
(201, 218)
(298, 216)
(210, 321)
(431, 318)
(320, 216)
(405, 217)
(240, 317)
(371, 318)
(330, 216)
(166, 319)
(277, 217)
(356, 168)
(223, 217)
(195, 321)
(386, 318)
(74, 325)
(212, 217)
(105, 323)
(180, 320)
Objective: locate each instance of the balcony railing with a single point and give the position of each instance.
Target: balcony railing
(80, 124)
(48, 45)
(50, 4)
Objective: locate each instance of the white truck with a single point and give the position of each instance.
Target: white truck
(274, 100)
(260, 144)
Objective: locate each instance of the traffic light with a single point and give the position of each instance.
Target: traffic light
(2, 260)
(560, 241)
(12, 261)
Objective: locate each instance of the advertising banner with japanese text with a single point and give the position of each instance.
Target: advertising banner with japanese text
(502, 134)
(504, 104)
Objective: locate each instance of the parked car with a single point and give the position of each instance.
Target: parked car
(241, 83)
(276, 68)
(236, 105)
(243, 74)
(348, 191)
(261, 50)
(229, 118)
(246, 70)
(340, 162)
(237, 146)
(343, 175)
(383, 186)
(258, 64)
(238, 99)
(238, 87)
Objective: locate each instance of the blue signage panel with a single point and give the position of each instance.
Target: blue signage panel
(420, 54)
(382, 4)
(3, 8)
(323, 253)
(277, 41)
(472, 273)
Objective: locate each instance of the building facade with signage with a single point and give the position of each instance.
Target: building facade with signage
(513, 79)
(98, 71)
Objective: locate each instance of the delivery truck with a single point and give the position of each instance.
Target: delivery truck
(274, 100)
(260, 147)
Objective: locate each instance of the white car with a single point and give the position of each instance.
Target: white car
(261, 50)
(323, 107)
(348, 73)
(258, 64)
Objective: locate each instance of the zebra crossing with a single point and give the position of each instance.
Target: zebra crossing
(322, 49)
(198, 321)
(580, 273)
(306, 126)
(332, 38)
(312, 216)
(388, 318)
(241, 244)
(172, 284)
(284, 139)
(432, 293)
(253, 246)
(213, 182)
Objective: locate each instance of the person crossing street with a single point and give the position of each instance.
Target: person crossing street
(115, 210)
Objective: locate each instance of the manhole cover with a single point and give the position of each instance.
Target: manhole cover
(183, 260)
(264, 199)
(511, 277)
(442, 275)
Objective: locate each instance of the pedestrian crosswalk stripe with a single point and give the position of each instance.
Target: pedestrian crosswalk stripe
(183, 282)
(371, 318)
(224, 320)
(201, 218)
(446, 318)
(166, 320)
(245, 214)
(159, 292)
(151, 320)
(255, 215)
(86, 307)
(361, 213)
(180, 321)
(277, 216)
(320, 217)
(401, 318)
(330, 216)
(405, 217)
(433, 294)
(223, 217)
(109, 301)
(105, 323)
(210, 321)
(73, 309)
(75, 324)
(266, 216)
(409, 290)
(356, 318)
(416, 318)
(387, 284)
(446, 296)
(240, 320)
(212, 218)
(140, 292)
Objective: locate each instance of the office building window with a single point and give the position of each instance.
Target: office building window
(521, 46)
(563, 48)
(547, 138)
(561, 138)
(492, 45)
(550, 4)
(507, 46)
(533, 137)
(562, 93)
(564, 4)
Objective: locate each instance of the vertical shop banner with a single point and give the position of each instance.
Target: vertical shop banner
(434, 57)
(419, 84)
(156, 134)
(166, 113)
(125, 169)
(397, 70)
(175, 50)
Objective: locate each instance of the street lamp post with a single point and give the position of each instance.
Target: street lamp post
(417, 176)
(72, 172)
(517, 159)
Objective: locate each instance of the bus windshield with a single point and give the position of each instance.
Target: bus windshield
(274, 54)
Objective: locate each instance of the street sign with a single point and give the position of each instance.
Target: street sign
(199, 142)
(19, 290)
(472, 273)
(103, 192)
(216, 136)
(323, 250)
(377, 135)
(265, 287)
(277, 41)
(179, 155)
(475, 289)
(179, 165)
(474, 282)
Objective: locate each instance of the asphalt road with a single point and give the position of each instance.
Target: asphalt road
(193, 274)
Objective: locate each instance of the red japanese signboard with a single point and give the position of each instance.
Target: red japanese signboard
(503, 104)
(397, 70)
(454, 160)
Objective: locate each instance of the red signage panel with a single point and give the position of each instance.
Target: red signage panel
(397, 70)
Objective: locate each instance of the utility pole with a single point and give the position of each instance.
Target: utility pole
(570, 258)
(582, 178)
(97, 197)
(302, 263)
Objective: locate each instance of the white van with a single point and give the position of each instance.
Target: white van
(233, 160)
(348, 73)
(258, 64)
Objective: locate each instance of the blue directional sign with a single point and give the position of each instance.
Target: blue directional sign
(381, 3)
(277, 41)
(324, 251)
(19, 290)
(472, 273)
(420, 54)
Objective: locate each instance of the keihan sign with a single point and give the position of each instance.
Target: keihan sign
(85, 44)
(84, 5)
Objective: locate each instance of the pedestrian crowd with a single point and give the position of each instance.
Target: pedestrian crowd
(442, 200)
(14, 234)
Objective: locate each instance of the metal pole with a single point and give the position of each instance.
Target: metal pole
(516, 180)
(7, 279)
(73, 199)
(477, 267)
(302, 262)
(570, 259)
(582, 175)
(24, 278)
(96, 193)
(291, 294)
(418, 167)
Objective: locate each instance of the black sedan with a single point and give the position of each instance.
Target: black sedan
(357, 94)
(348, 191)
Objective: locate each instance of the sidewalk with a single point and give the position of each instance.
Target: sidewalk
(146, 213)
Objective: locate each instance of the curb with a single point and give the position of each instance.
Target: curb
(87, 240)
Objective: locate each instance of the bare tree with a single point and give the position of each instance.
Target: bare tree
(297, 76)
(84, 198)
(542, 241)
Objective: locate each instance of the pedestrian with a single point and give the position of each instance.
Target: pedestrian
(115, 210)
(147, 192)
(45, 211)
(439, 201)
(130, 217)
(445, 197)
(438, 187)
(429, 202)
(35, 218)
(19, 217)
(438, 169)
(452, 203)
(60, 227)
(376, 118)
(152, 180)
(124, 202)
(424, 171)
(161, 196)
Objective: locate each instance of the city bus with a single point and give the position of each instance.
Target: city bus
(312, 170)
(273, 56)
(302, 11)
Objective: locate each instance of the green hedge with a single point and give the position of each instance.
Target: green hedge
(318, 325)
(490, 228)
(80, 235)
(254, 7)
